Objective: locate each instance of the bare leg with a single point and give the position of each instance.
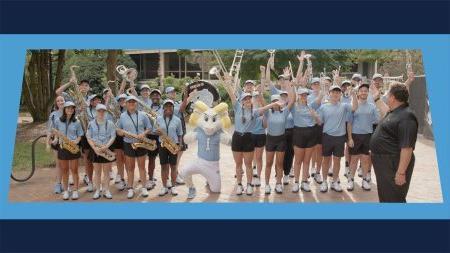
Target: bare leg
(97, 176)
(269, 163)
(73, 164)
(164, 174)
(151, 166)
(130, 164)
(120, 162)
(248, 157)
(279, 159)
(65, 174)
(319, 159)
(258, 160)
(326, 164)
(173, 174)
(142, 172)
(336, 168)
(306, 162)
(238, 157)
(106, 168)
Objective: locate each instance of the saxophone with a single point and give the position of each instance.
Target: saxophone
(113, 105)
(79, 100)
(107, 154)
(66, 143)
(144, 142)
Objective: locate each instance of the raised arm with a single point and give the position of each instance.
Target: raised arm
(299, 75)
(381, 106)
(230, 89)
(410, 80)
(263, 109)
(354, 99)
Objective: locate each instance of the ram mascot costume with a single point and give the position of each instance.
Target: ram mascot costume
(209, 125)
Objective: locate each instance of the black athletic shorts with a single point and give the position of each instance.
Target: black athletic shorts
(155, 152)
(129, 151)
(118, 143)
(361, 143)
(66, 155)
(84, 144)
(305, 137)
(165, 157)
(276, 143)
(259, 140)
(242, 142)
(94, 158)
(333, 145)
(319, 133)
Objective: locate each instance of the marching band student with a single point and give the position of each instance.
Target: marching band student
(100, 135)
(93, 100)
(276, 141)
(315, 99)
(305, 120)
(259, 140)
(83, 86)
(362, 122)
(346, 98)
(135, 122)
(54, 116)
(179, 109)
(288, 133)
(241, 143)
(70, 126)
(155, 96)
(170, 125)
(117, 146)
(144, 95)
(333, 115)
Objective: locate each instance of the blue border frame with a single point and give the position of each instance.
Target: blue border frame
(436, 52)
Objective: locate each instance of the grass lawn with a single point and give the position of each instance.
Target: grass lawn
(22, 156)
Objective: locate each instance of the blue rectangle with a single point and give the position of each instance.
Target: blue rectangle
(436, 54)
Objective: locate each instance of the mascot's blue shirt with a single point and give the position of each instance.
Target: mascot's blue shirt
(208, 145)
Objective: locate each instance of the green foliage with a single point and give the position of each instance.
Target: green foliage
(92, 66)
(22, 156)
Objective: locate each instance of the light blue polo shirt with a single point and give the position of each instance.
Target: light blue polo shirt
(170, 126)
(91, 113)
(302, 116)
(276, 121)
(208, 145)
(71, 129)
(311, 100)
(135, 123)
(289, 121)
(52, 119)
(364, 117)
(333, 117)
(346, 99)
(101, 133)
(249, 116)
(259, 127)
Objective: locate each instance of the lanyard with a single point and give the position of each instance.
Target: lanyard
(67, 125)
(98, 128)
(167, 125)
(136, 125)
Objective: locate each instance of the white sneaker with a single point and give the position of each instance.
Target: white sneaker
(336, 186)
(108, 195)
(96, 194)
(179, 180)
(305, 186)
(173, 191)
(330, 171)
(324, 186)
(256, 181)
(267, 189)
(350, 184)
(366, 185)
(360, 172)
(149, 185)
(164, 191)
(296, 187)
(130, 194)
(249, 190)
(66, 195)
(75, 195)
(118, 179)
(279, 188)
(286, 179)
(192, 192)
(121, 185)
(144, 192)
(90, 187)
(318, 178)
(369, 176)
(291, 173)
(239, 189)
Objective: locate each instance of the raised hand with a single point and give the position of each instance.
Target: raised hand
(374, 90)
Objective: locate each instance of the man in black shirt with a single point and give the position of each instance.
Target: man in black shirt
(392, 145)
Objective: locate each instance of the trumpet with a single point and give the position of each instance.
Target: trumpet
(129, 74)
(107, 154)
(66, 143)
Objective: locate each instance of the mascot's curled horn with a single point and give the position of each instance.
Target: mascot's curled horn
(209, 125)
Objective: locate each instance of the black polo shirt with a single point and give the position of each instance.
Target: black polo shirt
(397, 130)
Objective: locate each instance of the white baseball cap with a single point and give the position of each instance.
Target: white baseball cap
(357, 75)
(69, 103)
(144, 86)
(334, 87)
(274, 97)
(129, 98)
(302, 91)
(377, 75)
(168, 101)
(169, 89)
(315, 80)
(100, 107)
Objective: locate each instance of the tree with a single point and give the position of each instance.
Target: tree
(111, 63)
(38, 85)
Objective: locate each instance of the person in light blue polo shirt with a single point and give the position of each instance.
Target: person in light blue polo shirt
(170, 125)
(259, 141)
(101, 133)
(135, 122)
(334, 116)
(362, 120)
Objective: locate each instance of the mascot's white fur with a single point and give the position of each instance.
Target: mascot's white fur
(209, 125)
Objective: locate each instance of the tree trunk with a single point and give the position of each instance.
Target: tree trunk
(111, 63)
(38, 89)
